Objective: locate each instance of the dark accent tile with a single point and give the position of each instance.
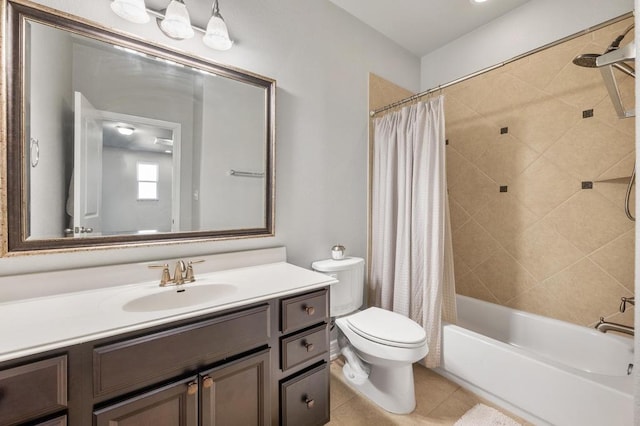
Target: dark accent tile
(587, 113)
(504, 130)
(503, 188)
(587, 185)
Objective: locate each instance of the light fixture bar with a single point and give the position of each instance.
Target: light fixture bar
(179, 26)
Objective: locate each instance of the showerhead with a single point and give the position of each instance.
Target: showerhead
(587, 60)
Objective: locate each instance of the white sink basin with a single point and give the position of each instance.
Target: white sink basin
(174, 298)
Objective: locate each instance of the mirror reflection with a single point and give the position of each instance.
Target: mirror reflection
(136, 143)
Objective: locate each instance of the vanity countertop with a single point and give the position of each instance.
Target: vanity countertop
(45, 323)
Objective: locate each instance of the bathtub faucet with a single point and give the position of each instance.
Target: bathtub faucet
(605, 326)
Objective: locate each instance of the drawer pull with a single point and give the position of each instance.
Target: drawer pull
(207, 382)
(192, 388)
(310, 310)
(308, 346)
(310, 402)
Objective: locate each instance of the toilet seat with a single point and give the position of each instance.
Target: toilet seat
(387, 328)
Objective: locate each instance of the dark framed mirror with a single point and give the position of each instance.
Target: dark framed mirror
(111, 140)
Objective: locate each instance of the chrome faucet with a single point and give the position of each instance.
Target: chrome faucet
(605, 326)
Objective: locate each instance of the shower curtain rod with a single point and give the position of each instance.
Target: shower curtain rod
(501, 64)
(432, 90)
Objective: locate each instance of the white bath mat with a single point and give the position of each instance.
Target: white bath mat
(483, 415)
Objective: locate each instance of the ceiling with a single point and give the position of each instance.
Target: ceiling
(422, 26)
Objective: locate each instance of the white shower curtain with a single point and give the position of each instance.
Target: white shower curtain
(411, 252)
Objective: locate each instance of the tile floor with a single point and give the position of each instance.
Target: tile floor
(439, 402)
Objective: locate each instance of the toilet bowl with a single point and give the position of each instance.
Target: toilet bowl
(379, 346)
(388, 344)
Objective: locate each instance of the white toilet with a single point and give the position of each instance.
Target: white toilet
(379, 346)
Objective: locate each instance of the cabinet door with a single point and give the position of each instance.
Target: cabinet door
(172, 405)
(237, 393)
(304, 398)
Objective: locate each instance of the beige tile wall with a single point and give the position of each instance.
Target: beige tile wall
(546, 245)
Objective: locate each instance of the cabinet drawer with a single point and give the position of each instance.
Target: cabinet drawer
(302, 311)
(33, 390)
(305, 398)
(58, 421)
(304, 346)
(134, 363)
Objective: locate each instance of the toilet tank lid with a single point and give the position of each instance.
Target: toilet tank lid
(332, 265)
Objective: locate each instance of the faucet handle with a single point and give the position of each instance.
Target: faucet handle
(166, 275)
(624, 301)
(190, 276)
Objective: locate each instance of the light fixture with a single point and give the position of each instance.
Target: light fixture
(125, 130)
(176, 23)
(163, 141)
(217, 35)
(477, 1)
(132, 10)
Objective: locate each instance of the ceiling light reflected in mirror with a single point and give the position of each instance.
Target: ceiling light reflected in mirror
(125, 130)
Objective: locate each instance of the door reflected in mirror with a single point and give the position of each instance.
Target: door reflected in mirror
(100, 107)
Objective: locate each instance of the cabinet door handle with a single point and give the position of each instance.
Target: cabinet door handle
(310, 310)
(308, 346)
(207, 382)
(309, 402)
(192, 388)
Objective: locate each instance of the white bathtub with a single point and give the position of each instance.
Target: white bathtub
(545, 370)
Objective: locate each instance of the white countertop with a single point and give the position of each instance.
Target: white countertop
(44, 323)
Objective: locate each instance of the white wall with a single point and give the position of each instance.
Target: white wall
(532, 25)
(320, 57)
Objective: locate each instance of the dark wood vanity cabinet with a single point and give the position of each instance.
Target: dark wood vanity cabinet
(232, 394)
(263, 364)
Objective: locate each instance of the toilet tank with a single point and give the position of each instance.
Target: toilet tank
(346, 296)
